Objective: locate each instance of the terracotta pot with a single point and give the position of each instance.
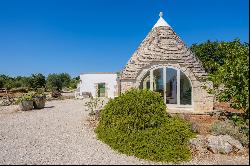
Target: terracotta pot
(39, 102)
(26, 105)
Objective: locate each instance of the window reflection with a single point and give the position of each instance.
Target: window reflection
(185, 90)
(158, 81)
(171, 86)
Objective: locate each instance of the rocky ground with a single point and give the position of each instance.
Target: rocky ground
(60, 134)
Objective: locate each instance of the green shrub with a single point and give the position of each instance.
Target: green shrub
(135, 110)
(136, 123)
(239, 120)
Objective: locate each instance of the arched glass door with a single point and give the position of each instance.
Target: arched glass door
(172, 84)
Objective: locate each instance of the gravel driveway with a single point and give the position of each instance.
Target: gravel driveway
(58, 134)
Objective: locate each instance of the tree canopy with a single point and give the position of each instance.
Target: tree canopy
(227, 64)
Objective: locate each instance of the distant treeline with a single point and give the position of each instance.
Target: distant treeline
(35, 81)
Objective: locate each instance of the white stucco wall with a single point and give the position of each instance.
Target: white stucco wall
(88, 82)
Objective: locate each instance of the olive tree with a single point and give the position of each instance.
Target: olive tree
(54, 82)
(37, 81)
(227, 64)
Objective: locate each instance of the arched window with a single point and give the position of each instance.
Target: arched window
(172, 84)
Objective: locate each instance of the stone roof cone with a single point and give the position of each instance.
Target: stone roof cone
(161, 46)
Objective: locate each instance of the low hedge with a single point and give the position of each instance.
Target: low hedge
(136, 123)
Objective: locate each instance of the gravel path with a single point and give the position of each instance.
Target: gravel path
(58, 134)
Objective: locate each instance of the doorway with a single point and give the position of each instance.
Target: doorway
(101, 89)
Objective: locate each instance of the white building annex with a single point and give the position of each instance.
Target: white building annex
(162, 63)
(98, 85)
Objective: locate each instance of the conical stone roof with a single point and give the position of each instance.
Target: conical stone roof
(161, 45)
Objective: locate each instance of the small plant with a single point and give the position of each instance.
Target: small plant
(94, 105)
(26, 97)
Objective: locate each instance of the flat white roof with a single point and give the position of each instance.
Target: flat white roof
(98, 73)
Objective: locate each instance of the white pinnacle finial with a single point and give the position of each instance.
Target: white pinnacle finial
(161, 14)
(161, 21)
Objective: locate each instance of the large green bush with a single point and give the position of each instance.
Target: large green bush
(136, 123)
(135, 110)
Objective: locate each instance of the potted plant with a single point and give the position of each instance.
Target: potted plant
(39, 99)
(25, 102)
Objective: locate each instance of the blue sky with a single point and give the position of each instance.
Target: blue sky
(75, 36)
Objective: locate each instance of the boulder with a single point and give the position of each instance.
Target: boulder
(199, 144)
(224, 144)
(235, 143)
(217, 144)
